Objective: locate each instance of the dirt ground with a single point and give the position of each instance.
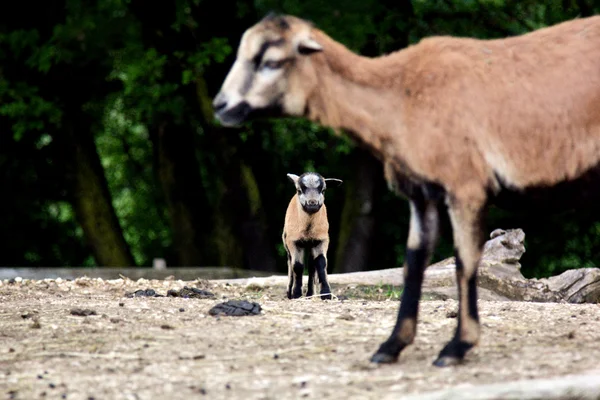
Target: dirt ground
(170, 347)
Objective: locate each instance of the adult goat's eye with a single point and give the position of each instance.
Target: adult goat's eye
(272, 64)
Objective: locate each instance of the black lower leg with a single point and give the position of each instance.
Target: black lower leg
(321, 267)
(291, 274)
(310, 291)
(298, 271)
(405, 328)
(468, 321)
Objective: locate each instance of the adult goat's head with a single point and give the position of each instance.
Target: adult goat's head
(272, 74)
(310, 188)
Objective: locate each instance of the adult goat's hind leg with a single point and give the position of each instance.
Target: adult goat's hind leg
(422, 237)
(467, 220)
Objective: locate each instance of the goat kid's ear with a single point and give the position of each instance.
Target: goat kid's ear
(308, 45)
(294, 178)
(333, 182)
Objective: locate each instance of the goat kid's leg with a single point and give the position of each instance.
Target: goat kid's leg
(310, 290)
(290, 271)
(467, 227)
(319, 260)
(295, 271)
(422, 238)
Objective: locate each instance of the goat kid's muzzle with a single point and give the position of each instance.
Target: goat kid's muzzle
(311, 208)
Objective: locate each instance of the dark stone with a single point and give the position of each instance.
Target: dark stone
(143, 293)
(81, 312)
(236, 308)
(190, 293)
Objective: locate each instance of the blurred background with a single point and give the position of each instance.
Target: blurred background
(110, 155)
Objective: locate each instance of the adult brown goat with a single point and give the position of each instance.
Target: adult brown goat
(458, 122)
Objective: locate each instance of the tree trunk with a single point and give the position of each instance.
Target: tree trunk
(91, 198)
(240, 230)
(357, 222)
(179, 177)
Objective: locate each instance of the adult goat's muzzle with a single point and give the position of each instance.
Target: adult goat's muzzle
(229, 115)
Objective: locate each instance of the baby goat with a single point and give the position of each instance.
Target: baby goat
(307, 228)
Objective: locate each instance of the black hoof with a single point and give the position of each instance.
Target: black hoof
(383, 358)
(453, 353)
(388, 352)
(326, 293)
(297, 293)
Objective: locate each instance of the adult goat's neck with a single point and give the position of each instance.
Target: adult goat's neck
(354, 93)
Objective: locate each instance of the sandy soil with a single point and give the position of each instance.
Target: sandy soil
(146, 348)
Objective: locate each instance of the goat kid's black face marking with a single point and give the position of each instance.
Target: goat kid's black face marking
(261, 80)
(310, 188)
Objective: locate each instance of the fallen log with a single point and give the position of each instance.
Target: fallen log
(499, 276)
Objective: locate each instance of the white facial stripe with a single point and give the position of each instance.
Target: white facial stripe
(311, 181)
(274, 54)
(233, 83)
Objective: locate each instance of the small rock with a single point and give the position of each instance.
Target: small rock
(82, 312)
(451, 314)
(190, 292)
(166, 326)
(181, 309)
(143, 293)
(121, 304)
(346, 317)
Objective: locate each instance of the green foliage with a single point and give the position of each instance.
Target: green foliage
(133, 69)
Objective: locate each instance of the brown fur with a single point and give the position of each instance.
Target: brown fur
(297, 221)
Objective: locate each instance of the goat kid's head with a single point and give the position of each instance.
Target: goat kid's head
(310, 188)
(272, 74)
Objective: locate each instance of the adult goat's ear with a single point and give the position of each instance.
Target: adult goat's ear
(332, 182)
(308, 45)
(294, 178)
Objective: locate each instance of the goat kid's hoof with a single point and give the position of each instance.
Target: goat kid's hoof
(447, 361)
(325, 296)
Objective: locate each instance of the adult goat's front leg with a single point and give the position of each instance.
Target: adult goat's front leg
(422, 237)
(467, 225)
